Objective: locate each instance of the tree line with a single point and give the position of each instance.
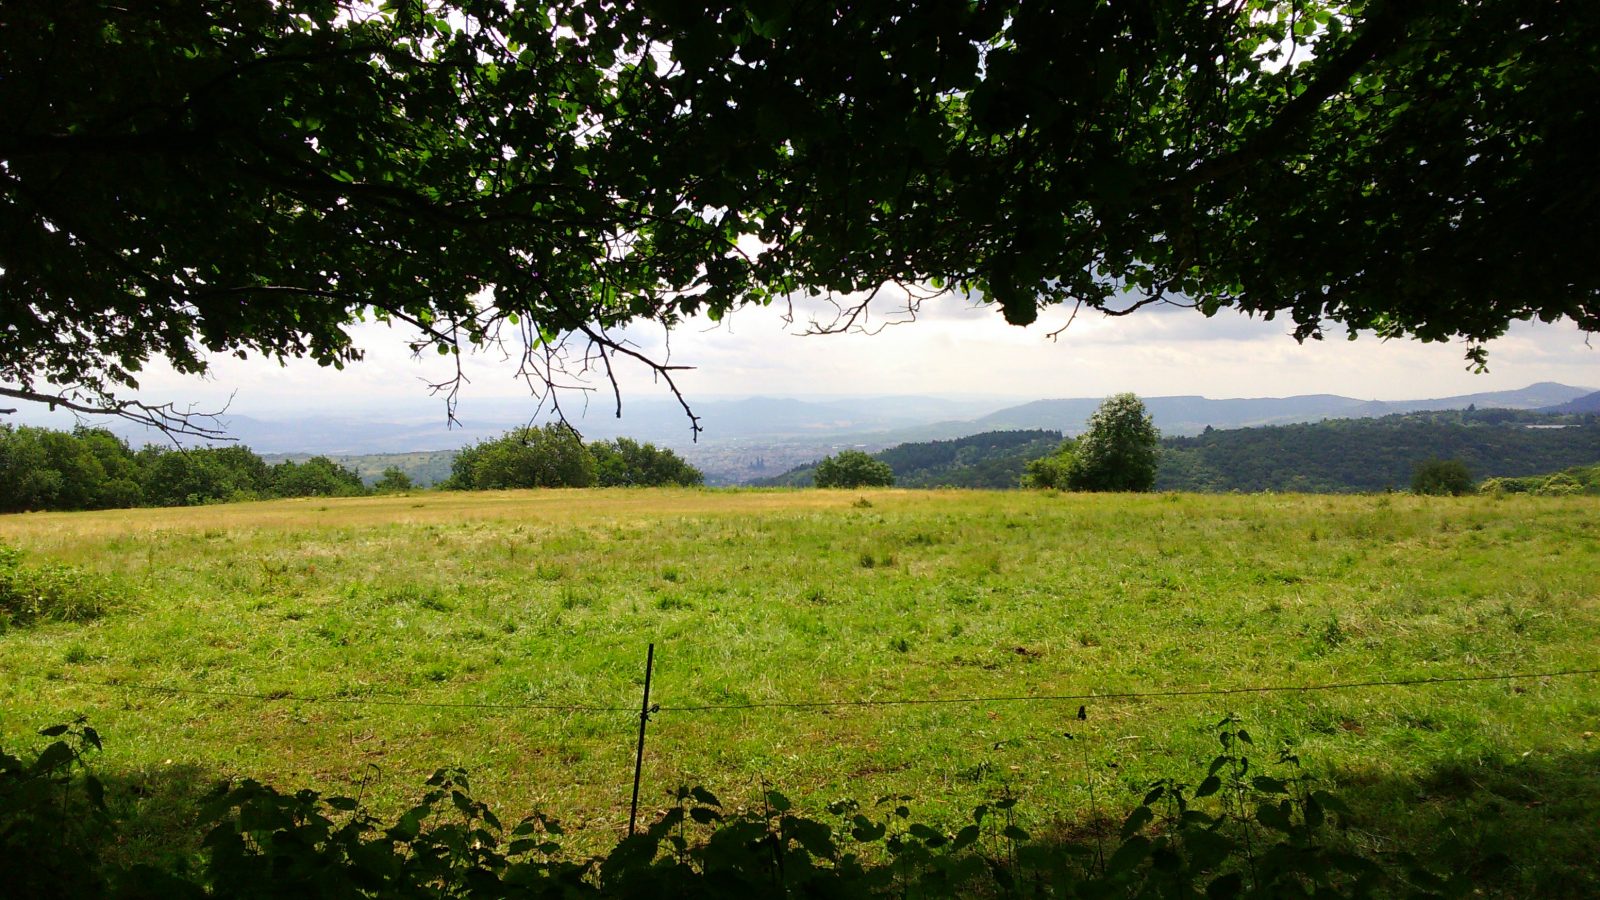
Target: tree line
(92, 468)
(1431, 452)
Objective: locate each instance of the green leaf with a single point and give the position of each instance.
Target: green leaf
(1268, 785)
(1275, 816)
(1128, 856)
(1140, 817)
(53, 757)
(1225, 887)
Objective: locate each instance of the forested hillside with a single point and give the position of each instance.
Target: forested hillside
(1337, 455)
(1375, 454)
(994, 459)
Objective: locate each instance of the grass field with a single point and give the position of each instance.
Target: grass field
(551, 597)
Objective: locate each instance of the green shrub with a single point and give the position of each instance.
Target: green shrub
(1559, 485)
(1053, 471)
(1441, 477)
(48, 593)
(53, 818)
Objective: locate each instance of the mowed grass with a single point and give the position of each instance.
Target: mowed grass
(551, 597)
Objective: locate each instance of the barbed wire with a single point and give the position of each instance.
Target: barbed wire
(290, 697)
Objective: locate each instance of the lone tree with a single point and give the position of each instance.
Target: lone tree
(1120, 451)
(394, 480)
(255, 177)
(853, 469)
(1441, 477)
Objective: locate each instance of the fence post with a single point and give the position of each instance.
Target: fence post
(638, 758)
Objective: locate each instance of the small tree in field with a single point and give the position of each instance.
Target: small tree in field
(1441, 477)
(393, 481)
(1119, 452)
(851, 469)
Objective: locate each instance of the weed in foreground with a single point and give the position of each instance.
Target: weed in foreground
(1243, 831)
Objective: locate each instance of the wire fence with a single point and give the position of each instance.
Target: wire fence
(646, 711)
(538, 706)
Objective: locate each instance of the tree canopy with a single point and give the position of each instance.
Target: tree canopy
(625, 462)
(91, 468)
(186, 180)
(1437, 477)
(853, 469)
(546, 457)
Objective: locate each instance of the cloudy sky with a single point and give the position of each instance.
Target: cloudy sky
(952, 349)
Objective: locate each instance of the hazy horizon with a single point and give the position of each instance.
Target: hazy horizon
(954, 352)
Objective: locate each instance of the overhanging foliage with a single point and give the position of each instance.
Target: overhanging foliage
(184, 180)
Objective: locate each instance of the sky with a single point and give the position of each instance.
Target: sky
(954, 349)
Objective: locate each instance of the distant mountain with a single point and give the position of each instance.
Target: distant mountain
(1588, 403)
(752, 438)
(1189, 415)
(661, 422)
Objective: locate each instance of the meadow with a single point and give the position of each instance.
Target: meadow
(551, 597)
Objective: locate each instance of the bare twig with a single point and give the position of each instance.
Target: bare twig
(164, 417)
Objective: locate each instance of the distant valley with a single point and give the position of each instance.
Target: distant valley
(750, 439)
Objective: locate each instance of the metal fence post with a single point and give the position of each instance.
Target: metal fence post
(638, 758)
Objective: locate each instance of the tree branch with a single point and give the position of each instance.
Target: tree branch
(1383, 27)
(164, 417)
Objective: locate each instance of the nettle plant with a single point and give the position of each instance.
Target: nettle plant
(1241, 831)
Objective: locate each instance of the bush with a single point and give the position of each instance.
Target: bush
(1441, 477)
(53, 818)
(853, 469)
(47, 593)
(1241, 830)
(1559, 485)
(1053, 471)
